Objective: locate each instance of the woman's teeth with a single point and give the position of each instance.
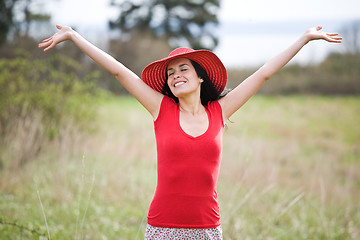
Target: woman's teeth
(178, 84)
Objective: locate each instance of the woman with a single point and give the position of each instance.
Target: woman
(182, 93)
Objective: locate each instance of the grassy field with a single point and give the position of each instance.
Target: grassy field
(290, 170)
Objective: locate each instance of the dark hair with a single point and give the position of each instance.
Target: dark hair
(208, 91)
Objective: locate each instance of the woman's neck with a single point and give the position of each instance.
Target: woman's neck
(191, 105)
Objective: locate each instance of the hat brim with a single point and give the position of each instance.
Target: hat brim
(154, 74)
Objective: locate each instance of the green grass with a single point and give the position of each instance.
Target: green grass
(290, 170)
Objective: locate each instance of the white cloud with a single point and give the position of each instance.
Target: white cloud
(274, 10)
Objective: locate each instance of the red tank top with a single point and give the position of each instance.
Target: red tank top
(188, 169)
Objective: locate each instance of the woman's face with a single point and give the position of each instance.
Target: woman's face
(182, 77)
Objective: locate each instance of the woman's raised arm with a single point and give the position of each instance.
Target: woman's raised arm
(238, 97)
(148, 97)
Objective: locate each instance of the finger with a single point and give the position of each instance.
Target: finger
(46, 40)
(335, 40)
(332, 34)
(318, 28)
(45, 44)
(49, 47)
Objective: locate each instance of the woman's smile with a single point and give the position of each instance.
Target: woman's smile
(179, 83)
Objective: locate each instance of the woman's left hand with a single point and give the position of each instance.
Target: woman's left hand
(315, 34)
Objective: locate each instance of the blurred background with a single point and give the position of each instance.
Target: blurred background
(244, 34)
(242, 27)
(78, 161)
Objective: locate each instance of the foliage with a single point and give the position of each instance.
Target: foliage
(6, 18)
(29, 227)
(186, 22)
(137, 53)
(38, 100)
(17, 15)
(337, 74)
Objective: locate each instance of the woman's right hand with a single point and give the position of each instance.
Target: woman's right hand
(64, 34)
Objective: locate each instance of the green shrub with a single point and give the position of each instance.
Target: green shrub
(39, 99)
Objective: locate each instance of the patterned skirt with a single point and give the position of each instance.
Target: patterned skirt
(158, 233)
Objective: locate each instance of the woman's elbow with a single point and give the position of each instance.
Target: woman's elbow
(265, 73)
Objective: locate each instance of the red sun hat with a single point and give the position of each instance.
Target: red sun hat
(154, 74)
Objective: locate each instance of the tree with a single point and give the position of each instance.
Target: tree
(17, 15)
(351, 34)
(182, 22)
(6, 18)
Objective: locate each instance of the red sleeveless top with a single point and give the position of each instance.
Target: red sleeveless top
(188, 169)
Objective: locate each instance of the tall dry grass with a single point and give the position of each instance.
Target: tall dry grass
(289, 171)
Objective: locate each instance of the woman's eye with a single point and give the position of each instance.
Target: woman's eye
(170, 74)
(183, 70)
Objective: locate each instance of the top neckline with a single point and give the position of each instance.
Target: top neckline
(189, 135)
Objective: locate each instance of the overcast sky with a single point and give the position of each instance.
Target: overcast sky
(250, 31)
